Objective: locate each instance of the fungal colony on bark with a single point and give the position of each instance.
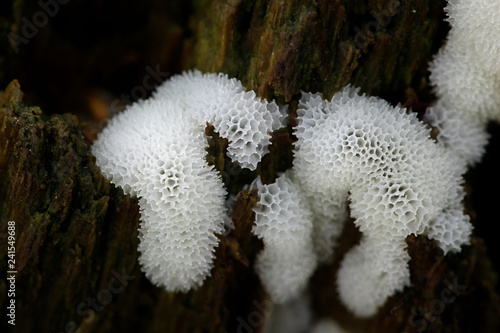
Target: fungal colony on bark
(352, 151)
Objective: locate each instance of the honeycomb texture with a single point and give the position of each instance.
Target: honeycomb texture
(462, 84)
(329, 208)
(153, 150)
(465, 75)
(451, 229)
(398, 181)
(462, 134)
(243, 118)
(284, 223)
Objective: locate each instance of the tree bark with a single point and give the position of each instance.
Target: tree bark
(76, 234)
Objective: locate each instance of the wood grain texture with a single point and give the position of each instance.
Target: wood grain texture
(76, 252)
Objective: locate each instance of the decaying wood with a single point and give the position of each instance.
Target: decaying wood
(76, 234)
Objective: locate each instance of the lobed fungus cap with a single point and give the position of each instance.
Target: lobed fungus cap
(238, 115)
(399, 182)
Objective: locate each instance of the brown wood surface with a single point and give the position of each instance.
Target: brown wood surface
(76, 234)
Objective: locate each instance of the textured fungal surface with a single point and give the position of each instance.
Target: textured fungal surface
(371, 272)
(466, 70)
(245, 256)
(154, 151)
(283, 221)
(351, 149)
(461, 133)
(399, 181)
(465, 75)
(240, 116)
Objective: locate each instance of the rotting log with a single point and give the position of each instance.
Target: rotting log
(76, 240)
(76, 234)
(279, 48)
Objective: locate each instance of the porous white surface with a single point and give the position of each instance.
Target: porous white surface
(284, 223)
(399, 181)
(461, 133)
(329, 208)
(398, 178)
(466, 77)
(238, 115)
(155, 151)
(451, 228)
(463, 84)
(476, 25)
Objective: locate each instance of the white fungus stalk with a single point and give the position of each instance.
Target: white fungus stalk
(284, 223)
(371, 272)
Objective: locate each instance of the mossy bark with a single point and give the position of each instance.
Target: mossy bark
(76, 234)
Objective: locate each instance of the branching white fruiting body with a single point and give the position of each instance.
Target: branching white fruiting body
(156, 150)
(353, 147)
(399, 182)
